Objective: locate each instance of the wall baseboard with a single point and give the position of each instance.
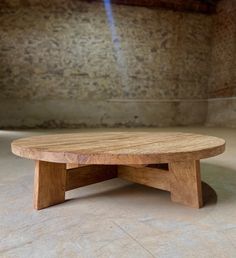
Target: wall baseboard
(222, 112)
(65, 113)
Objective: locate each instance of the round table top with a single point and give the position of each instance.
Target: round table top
(118, 147)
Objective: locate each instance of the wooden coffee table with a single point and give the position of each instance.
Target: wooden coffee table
(168, 161)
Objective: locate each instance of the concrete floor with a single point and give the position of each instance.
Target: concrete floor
(116, 218)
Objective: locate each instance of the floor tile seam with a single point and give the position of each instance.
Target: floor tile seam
(133, 239)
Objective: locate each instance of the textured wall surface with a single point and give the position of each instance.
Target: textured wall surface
(70, 63)
(222, 80)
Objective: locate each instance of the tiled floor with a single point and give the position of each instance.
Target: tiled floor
(117, 218)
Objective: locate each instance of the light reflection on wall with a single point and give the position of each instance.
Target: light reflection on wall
(121, 62)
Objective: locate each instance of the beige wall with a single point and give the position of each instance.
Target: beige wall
(64, 64)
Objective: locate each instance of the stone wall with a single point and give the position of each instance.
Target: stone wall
(74, 63)
(222, 82)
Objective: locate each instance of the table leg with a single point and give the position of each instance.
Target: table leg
(185, 185)
(49, 184)
(53, 179)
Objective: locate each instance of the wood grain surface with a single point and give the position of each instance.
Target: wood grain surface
(154, 177)
(185, 186)
(118, 148)
(87, 175)
(49, 184)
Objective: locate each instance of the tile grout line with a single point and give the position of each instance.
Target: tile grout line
(133, 238)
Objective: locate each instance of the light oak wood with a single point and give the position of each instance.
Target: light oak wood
(186, 183)
(153, 177)
(49, 184)
(88, 175)
(167, 161)
(182, 180)
(118, 148)
(69, 165)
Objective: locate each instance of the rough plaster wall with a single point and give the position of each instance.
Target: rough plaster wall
(64, 63)
(222, 82)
